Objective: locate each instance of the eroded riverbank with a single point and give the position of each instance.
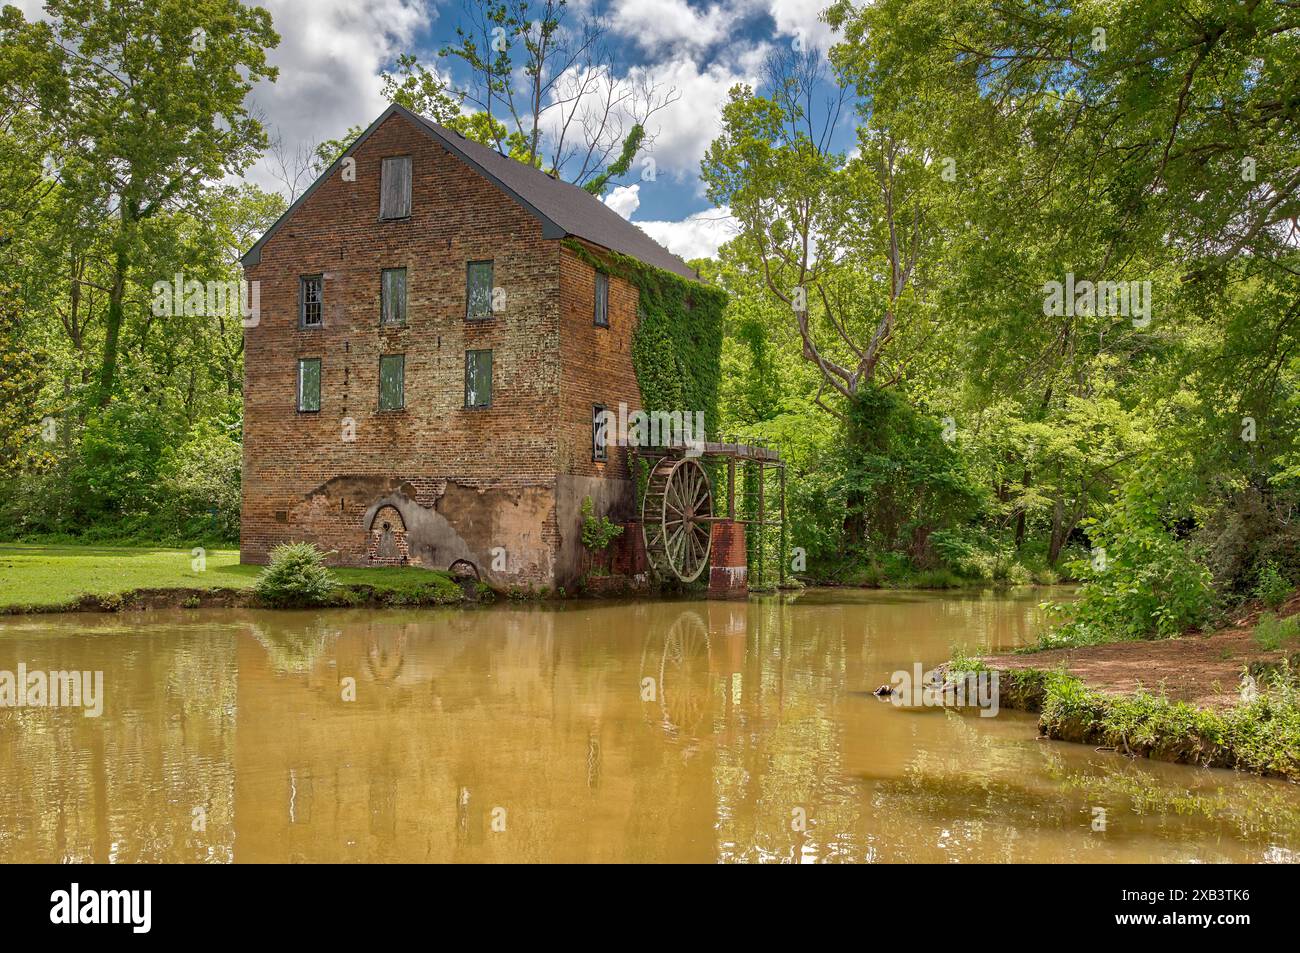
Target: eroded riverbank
(1225, 698)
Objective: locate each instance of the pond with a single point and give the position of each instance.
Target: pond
(592, 731)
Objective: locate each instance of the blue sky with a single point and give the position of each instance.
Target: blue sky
(332, 52)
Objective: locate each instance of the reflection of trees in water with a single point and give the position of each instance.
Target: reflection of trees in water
(593, 759)
(293, 649)
(124, 786)
(989, 801)
(1264, 813)
(677, 658)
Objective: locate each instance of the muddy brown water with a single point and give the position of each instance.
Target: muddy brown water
(613, 731)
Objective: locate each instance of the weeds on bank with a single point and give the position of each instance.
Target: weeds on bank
(1261, 734)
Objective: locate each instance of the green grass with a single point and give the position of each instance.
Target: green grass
(45, 576)
(1260, 735)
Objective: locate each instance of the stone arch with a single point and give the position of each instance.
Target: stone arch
(463, 569)
(388, 545)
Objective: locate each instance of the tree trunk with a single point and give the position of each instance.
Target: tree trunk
(1063, 525)
(113, 328)
(1020, 517)
(855, 501)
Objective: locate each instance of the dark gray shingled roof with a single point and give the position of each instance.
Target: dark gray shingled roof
(563, 209)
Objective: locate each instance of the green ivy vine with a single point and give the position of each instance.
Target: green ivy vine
(677, 346)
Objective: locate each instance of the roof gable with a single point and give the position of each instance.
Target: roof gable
(563, 209)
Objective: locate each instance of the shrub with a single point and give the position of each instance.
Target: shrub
(1142, 583)
(295, 576)
(1271, 632)
(1272, 588)
(597, 532)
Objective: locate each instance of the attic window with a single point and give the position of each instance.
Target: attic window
(395, 188)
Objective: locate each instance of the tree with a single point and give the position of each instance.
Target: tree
(147, 100)
(570, 113)
(840, 241)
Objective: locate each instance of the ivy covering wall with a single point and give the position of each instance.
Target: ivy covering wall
(677, 348)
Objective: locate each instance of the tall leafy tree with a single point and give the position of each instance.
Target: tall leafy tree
(147, 101)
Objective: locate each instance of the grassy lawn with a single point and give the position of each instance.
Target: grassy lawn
(36, 576)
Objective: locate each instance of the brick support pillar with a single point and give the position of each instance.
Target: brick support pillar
(728, 572)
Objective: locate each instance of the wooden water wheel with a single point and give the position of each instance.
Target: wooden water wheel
(677, 518)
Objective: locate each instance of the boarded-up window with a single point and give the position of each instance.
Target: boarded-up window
(392, 384)
(308, 384)
(602, 299)
(311, 301)
(599, 435)
(478, 290)
(392, 296)
(395, 188)
(478, 378)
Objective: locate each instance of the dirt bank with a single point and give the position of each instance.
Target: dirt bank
(1203, 669)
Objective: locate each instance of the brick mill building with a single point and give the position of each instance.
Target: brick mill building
(421, 383)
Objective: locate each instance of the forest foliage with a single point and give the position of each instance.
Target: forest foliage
(1038, 320)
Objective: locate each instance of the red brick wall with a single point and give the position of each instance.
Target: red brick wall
(596, 364)
(596, 368)
(326, 488)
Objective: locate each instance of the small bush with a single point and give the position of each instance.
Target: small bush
(1271, 632)
(295, 576)
(1272, 587)
(597, 532)
(1141, 584)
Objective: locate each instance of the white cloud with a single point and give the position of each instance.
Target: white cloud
(669, 24)
(685, 129)
(330, 55)
(625, 199)
(798, 18)
(696, 236)
(33, 10)
(675, 25)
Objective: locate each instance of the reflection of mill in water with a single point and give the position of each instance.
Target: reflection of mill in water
(384, 661)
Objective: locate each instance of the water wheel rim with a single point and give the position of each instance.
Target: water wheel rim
(685, 526)
(652, 522)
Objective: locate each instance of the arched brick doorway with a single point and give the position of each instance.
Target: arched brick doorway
(388, 545)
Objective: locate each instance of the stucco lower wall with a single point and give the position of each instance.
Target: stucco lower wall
(507, 531)
(612, 498)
